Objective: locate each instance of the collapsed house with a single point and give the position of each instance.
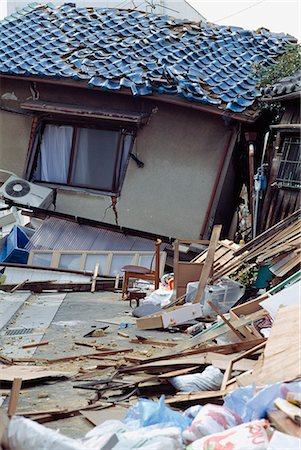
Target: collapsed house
(169, 100)
(134, 125)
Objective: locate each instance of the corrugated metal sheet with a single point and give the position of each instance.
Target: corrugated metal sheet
(58, 234)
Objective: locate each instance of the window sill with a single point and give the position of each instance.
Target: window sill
(77, 190)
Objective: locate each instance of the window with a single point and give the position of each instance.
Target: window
(82, 157)
(290, 164)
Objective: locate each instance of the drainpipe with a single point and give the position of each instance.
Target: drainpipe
(251, 138)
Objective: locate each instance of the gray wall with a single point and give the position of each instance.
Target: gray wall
(181, 148)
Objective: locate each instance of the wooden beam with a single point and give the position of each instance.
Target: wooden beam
(13, 400)
(95, 275)
(219, 313)
(35, 344)
(208, 264)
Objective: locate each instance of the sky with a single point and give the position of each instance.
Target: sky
(276, 15)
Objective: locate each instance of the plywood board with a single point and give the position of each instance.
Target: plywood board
(28, 373)
(282, 358)
(99, 416)
(171, 317)
(281, 422)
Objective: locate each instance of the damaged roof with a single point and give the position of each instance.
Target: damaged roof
(143, 53)
(284, 87)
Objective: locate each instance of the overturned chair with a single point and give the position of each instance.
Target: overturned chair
(143, 273)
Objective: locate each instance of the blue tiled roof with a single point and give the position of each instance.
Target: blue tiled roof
(113, 49)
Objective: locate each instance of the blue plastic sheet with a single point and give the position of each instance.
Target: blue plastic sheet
(146, 412)
(250, 405)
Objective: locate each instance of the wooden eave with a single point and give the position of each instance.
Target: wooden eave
(168, 99)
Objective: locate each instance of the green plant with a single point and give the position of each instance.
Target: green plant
(246, 275)
(288, 63)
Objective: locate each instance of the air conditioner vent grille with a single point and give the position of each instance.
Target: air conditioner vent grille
(17, 188)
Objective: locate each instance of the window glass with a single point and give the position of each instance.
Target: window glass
(118, 261)
(94, 158)
(83, 157)
(71, 261)
(92, 260)
(42, 259)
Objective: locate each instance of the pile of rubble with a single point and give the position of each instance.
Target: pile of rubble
(217, 367)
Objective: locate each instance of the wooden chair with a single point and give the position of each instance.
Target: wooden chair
(143, 272)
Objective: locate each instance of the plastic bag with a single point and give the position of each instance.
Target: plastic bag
(160, 297)
(151, 438)
(281, 441)
(250, 405)
(24, 434)
(248, 436)
(211, 419)
(209, 380)
(146, 412)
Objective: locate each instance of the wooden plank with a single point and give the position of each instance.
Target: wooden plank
(207, 269)
(204, 395)
(223, 349)
(271, 231)
(226, 321)
(236, 359)
(35, 344)
(28, 373)
(217, 359)
(170, 317)
(13, 400)
(155, 343)
(292, 411)
(210, 334)
(282, 423)
(19, 286)
(97, 417)
(94, 278)
(282, 358)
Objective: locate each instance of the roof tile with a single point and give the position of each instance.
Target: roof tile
(112, 49)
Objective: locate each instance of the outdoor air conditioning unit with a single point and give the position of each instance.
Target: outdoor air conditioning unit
(24, 193)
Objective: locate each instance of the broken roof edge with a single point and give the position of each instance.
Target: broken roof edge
(168, 99)
(44, 213)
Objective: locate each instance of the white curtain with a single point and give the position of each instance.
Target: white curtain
(55, 153)
(123, 159)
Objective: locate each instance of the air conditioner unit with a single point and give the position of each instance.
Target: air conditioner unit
(24, 193)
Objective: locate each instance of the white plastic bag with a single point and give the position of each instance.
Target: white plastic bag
(209, 380)
(211, 419)
(248, 436)
(24, 434)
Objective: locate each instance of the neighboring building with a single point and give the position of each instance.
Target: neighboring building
(283, 158)
(180, 9)
(132, 117)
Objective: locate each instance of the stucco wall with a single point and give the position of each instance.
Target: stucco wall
(181, 148)
(14, 138)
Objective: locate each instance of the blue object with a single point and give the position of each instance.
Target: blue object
(146, 412)
(13, 250)
(106, 46)
(251, 406)
(264, 276)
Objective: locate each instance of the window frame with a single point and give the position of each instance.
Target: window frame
(34, 151)
(282, 154)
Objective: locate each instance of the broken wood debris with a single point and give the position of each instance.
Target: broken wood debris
(232, 343)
